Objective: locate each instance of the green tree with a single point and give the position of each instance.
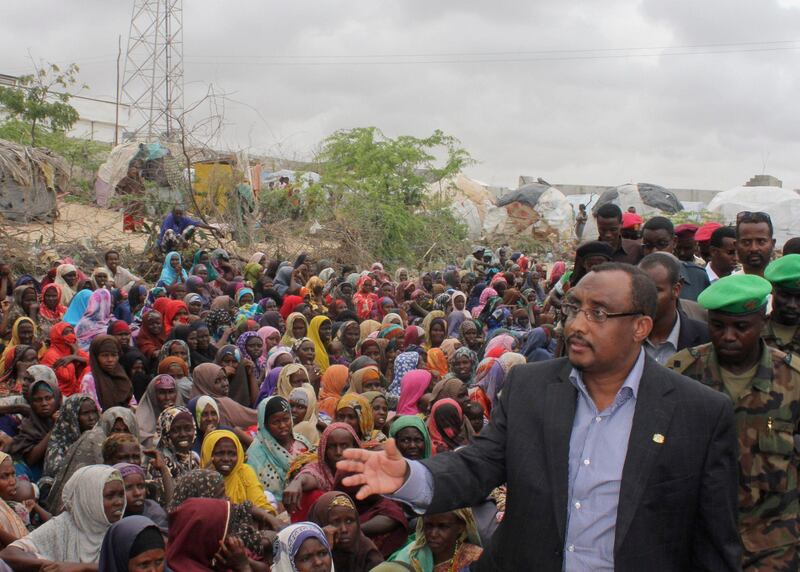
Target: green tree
(42, 99)
(377, 187)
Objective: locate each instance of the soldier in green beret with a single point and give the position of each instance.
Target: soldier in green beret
(764, 385)
(781, 330)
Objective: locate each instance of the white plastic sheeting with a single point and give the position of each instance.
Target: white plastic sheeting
(782, 205)
(476, 205)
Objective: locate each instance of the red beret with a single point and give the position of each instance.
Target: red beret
(631, 220)
(686, 229)
(704, 232)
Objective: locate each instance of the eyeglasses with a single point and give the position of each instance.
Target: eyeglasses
(748, 216)
(597, 315)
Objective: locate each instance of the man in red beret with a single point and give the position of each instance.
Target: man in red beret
(703, 238)
(686, 244)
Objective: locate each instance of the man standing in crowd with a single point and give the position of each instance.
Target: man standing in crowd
(754, 241)
(612, 462)
(764, 386)
(703, 239)
(781, 330)
(609, 227)
(658, 235)
(672, 330)
(686, 245)
(722, 253)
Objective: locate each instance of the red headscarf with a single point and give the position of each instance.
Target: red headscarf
(196, 529)
(61, 346)
(289, 304)
(47, 313)
(169, 308)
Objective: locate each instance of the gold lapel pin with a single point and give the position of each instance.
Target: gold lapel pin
(658, 438)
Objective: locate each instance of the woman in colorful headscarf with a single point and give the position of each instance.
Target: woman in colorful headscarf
(352, 550)
(271, 337)
(51, 310)
(77, 307)
(365, 300)
(223, 452)
(199, 527)
(365, 379)
(303, 402)
(368, 329)
(220, 319)
(299, 542)
(22, 334)
(94, 499)
(463, 364)
(251, 346)
(296, 329)
(105, 377)
(349, 334)
(161, 394)
(31, 442)
(201, 258)
(319, 330)
(137, 506)
(78, 414)
(332, 386)
(254, 269)
(21, 357)
(172, 271)
(437, 362)
(12, 526)
(315, 286)
(316, 476)
(175, 437)
(95, 319)
(413, 386)
(356, 411)
(447, 426)
(67, 279)
(245, 300)
(411, 437)
(22, 305)
(485, 295)
(403, 363)
(457, 553)
(276, 445)
(538, 345)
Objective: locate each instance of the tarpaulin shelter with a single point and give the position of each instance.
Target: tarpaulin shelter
(30, 177)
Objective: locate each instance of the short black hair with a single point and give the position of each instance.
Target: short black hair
(643, 290)
(659, 223)
(719, 235)
(609, 210)
(112, 251)
(792, 246)
(665, 260)
(746, 217)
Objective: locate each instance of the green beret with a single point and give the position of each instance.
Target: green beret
(736, 294)
(785, 272)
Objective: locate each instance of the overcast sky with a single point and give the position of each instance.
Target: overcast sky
(555, 89)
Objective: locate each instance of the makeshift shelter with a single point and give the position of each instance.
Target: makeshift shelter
(535, 209)
(30, 177)
(649, 200)
(782, 205)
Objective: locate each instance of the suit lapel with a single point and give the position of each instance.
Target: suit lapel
(559, 416)
(651, 418)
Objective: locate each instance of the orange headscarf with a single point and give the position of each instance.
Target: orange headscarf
(437, 361)
(331, 388)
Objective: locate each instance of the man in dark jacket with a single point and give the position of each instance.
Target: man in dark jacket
(672, 330)
(613, 463)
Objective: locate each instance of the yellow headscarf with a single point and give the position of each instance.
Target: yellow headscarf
(284, 387)
(426, 325)
(241, 477)
(14, 342)
(367, 327)
(320, 354)
(363, 409)
(288, 338)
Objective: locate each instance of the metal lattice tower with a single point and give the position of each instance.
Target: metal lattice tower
(153, 78)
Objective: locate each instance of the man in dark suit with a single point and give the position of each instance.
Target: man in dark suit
(612, 462)
(672, 329)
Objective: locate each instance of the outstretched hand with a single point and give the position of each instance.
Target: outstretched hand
(378, 472)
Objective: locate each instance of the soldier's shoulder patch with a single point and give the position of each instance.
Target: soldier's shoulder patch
(790, 360)
(681, 360)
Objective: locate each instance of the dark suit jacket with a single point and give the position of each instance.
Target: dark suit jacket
(677, 507)
(693, 332)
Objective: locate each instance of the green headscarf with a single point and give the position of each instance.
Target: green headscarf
(412, 421)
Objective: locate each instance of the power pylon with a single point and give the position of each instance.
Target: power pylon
(153, 78)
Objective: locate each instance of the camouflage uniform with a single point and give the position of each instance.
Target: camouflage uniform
(768, 421)
(773, 341)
